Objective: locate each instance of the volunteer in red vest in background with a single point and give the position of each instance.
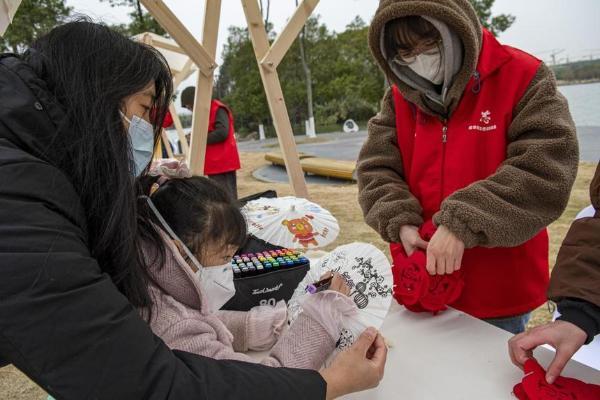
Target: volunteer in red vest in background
(222, 158)
(473, 135)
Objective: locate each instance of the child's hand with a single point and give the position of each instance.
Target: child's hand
(338, 283)
(411, 240)
(444, 253)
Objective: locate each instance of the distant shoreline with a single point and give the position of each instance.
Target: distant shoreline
(577, 82)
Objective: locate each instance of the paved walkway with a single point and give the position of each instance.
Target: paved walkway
(346, 146)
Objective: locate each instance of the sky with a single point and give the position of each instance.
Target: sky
(541, 26)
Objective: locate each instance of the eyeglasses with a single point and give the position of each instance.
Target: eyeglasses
(405, 56)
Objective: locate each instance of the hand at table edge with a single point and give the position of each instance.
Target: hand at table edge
(565, 337)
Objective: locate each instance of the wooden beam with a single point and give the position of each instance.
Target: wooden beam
(165, 17)
(185, 148)
(204, 88)
(147, 39)
(275, 98)
(159, 44)
(286, 38)
(167, 143)
(158, 150)
(185, 72)
(182, 75)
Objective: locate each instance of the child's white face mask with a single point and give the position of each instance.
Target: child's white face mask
(428, 65)
(217, 285)
(216, 282)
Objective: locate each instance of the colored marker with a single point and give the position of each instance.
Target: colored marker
(250, 264)
(319, 286)
(237, 273)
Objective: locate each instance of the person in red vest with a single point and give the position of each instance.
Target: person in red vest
(222, 158)
(474, 136)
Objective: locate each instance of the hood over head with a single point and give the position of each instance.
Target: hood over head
(461, 33)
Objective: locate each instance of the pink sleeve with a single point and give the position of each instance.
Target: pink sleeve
(305, 345)
(237, 322)
(258, 329)
(193, 336)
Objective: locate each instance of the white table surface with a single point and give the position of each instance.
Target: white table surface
(452, 356)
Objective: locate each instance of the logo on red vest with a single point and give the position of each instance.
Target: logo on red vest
(486, 119)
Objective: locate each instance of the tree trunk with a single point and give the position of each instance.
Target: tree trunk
(308, 76)
(268, 12)
(140, 13)
(266, 15)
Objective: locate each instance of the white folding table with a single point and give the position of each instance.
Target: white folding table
(452, 356)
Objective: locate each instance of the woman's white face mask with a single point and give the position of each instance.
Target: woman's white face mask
(429, 65)
(141, 137)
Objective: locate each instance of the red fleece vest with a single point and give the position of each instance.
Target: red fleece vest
(440, 158)
(221, 157)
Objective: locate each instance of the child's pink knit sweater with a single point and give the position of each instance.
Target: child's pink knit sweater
(180, 320)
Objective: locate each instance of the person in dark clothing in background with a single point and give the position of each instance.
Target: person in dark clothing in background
(74, 132)
(222, 159)
(575, 287)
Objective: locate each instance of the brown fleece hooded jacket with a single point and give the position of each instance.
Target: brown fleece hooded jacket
(542, 150)
(575, 282)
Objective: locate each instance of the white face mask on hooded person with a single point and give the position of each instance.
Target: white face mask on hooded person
(141, 137)
(428, 65)
(216, 282)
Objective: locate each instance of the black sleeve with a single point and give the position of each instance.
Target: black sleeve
(221, 131)
(581, 313)
(64, 323)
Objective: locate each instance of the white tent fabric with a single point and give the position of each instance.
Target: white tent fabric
(8, 9)
(175, 59)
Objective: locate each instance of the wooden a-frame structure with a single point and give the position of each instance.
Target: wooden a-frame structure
(268, 57)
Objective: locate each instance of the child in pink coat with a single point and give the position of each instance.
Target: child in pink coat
(193, 279)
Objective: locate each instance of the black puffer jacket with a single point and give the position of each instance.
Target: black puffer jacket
(62, 321)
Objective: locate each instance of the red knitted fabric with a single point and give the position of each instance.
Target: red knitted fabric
(535, 387)
(416, 289)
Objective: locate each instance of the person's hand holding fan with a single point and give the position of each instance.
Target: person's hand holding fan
(366, 271)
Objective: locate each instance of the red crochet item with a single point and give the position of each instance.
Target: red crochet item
(535, 387)
(416, 289)
(167, 122)
(410, 279)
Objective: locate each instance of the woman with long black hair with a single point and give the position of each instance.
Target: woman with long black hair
(80, 113)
